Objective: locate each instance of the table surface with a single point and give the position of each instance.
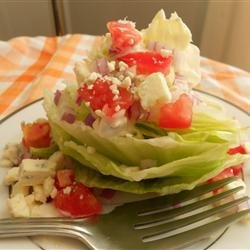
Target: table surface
(31, 64)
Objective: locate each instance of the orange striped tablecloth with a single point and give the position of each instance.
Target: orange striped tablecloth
(28, 65)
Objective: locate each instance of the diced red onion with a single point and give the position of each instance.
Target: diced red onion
(136, 112)
(108, 194)
(57, 97)
(181, 87)
(101, 66)
(195, 98)
(69, 117)
(89, 120)
(155, 46)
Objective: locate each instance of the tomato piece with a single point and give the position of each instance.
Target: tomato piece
(77, 200)
(177, 114)
(237, 150)
(234, 170)
(64, 178)
(36, 134)
(147, 62)
(124, 35)
(101, 97)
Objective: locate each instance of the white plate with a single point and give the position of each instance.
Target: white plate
(236, 237)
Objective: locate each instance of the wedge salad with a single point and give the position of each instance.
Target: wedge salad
(131, 123)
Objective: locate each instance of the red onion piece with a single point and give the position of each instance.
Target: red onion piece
(108, 193)
(69, 117)
(89, 120)
(155, 46)
(57, 97)
(136, 112)
(102, 66)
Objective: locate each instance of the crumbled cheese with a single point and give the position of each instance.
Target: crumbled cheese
(11, 152)
(17, 188)
(115, 81)
(126, 82)
(166, 52)
(131, 41)
(90, 150)
(122, 66)
(115, 97)
(118, 122)
(30, 200)
(90, 86)
(53, 193)
(153, 90)
(18, 206)
(81, 196)
(124, 21)
(67, 190)
(11, 176)
(111, 66)
(117, 108)
(33, 172)
(39, 194)
(128, 135)
(48, 185)
(115, 92)
(5, 163)
(121, 77)
(93, 76)
(113, 87)
(99, 113)
(131, 72)
(87, 104)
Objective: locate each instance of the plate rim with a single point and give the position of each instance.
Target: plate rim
(10, 115)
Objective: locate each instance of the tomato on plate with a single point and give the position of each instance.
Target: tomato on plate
(234, 170)
(101, 97)
(77, 200)
(64, 178)
(124, 35)
(177, 114)
(237, 150)
(147, 62)
(36, 134)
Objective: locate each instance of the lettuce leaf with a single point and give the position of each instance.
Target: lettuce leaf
(172, 32)
(166, 185)
(183, 159)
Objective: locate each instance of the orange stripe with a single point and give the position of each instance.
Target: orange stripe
(227, 84)
(9, 95)
(46, 82)
(231, 94)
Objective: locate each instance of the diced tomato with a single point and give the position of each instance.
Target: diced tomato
(228, 172)
(147, 62)
(237, 150)
(36, 134)
(231, 171)
(77, 200)
(64, 178)
(177, 114)
(124, 35)
(101, 97)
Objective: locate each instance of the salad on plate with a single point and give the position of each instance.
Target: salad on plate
(131, 123)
